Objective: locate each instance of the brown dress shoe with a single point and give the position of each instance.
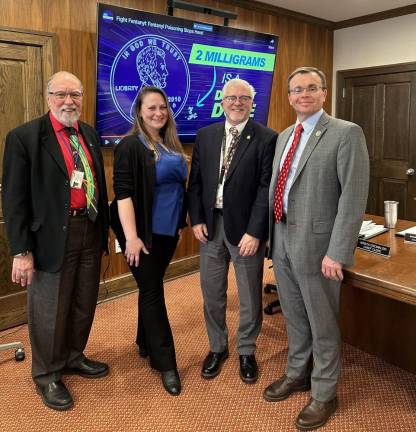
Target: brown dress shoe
(315, 414)
(284, 387)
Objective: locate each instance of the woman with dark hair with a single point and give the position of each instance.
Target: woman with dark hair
(147, 216)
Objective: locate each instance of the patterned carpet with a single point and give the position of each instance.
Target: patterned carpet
(374, 396)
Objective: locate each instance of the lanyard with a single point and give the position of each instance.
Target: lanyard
(68, 145)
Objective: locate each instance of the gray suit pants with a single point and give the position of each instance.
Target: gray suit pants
(215, 260)
(61, 305)
(310, 305)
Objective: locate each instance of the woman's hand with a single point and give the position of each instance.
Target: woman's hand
(133, 248)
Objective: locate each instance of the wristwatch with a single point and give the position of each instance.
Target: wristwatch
(22, 254)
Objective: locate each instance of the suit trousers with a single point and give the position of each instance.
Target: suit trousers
(215, 260)
(310, 305)
(61, 305)
(154, 333)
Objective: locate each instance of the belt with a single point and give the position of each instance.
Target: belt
(78, 212)
(218, 211)
(283, 219)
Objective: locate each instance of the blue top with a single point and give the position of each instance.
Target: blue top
(171, 172)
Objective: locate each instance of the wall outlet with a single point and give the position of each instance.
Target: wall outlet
(117, 246)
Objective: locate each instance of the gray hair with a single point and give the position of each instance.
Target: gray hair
(239, 81)
(61, 73)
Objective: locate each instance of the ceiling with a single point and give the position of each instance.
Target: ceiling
(333, 10)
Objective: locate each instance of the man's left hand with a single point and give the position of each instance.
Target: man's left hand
(332, 269)
(248, 245)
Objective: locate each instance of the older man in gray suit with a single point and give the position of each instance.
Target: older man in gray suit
(317, 198)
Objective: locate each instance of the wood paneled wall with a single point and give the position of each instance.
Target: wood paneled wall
(74, 22)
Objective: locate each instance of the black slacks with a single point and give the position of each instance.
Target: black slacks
(61, 305)
(154, 334)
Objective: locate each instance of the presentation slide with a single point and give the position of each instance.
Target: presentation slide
(190, 61)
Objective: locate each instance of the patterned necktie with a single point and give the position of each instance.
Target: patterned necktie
(231, 150)
(88, 185)
(283, 175)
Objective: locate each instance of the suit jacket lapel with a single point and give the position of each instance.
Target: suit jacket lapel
(315, 137)
(51, 143)
(216, 150)
(247, 135)
(281, 145)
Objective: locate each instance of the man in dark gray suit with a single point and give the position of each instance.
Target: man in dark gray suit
(56, 212)
(317, 198)
(228, 187)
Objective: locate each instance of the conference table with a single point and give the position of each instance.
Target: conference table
(378, 299)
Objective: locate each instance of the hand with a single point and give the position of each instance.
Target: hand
(332, 269)
(133, 248)
(22, 269)
(201, 232)
(248, 245)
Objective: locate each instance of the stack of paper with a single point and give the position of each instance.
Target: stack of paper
(371, 229)
(411, 230)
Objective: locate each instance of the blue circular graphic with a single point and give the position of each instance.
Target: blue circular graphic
(149, 60)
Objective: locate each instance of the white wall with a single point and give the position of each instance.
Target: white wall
(380, 43)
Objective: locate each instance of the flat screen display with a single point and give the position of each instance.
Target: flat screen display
(191, 61)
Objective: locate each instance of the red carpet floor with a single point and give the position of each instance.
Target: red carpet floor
(374, 396)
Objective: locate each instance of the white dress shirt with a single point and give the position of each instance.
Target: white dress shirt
(228, 138)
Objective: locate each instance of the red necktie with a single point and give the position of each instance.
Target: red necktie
(283, 175)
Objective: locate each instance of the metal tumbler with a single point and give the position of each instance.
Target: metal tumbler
(390, 213)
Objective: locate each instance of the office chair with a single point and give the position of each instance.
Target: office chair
(19, 353)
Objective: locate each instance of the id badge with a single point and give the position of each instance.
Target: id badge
(77, 178)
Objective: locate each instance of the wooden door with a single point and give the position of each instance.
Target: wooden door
(382, 101)
(22, 81)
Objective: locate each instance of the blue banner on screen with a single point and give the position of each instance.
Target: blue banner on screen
(190, 61)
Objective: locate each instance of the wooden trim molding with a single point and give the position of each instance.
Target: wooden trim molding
(46, 41)
(379, 16)
(257, 6)
(343, 75)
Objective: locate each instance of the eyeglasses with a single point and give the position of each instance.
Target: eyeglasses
(60, 95)
(310, 89)
(241, 99)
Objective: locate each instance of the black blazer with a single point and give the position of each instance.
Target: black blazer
(36, 191)
(134, 176)
(245, 208)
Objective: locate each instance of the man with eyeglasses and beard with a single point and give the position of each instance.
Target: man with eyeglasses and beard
(56, 212)
(228, 187)
(318, 194)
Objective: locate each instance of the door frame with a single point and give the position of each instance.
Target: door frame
(47, 42)
(13, 305)
(343, 75)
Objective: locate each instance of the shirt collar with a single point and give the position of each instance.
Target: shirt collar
(58, 126)
(310, 123)
(240, 127)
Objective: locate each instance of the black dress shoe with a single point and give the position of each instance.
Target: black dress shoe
(212, 364)
(249, 371)
(171, 382)
(315, 414)
(55, 395)
(282, 388)
(89, 369)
